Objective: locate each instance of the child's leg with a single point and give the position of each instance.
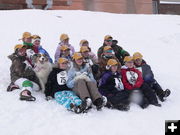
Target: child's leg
(24, 84)
(63, 99)
(35, 87)
(74, 98)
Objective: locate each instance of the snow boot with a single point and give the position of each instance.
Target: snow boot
(29, 97)
(164, 95)
(100, 102)
(12, 87)
(78, 109)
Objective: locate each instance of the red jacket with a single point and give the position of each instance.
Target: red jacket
(131, 78)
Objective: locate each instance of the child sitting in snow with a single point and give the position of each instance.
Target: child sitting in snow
(22, 75)
(84, 43)
(148, 76)
(81, 80)
(90, 60)
(133, 82)
(64, 38)
(111, 86)
(37, 48)
(56, 88)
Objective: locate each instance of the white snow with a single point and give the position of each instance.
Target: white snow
(157, 37)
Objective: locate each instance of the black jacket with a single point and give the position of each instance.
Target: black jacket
(56, 82)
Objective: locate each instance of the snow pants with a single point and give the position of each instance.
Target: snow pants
(66, 98)
(87, 89)
(25, 84)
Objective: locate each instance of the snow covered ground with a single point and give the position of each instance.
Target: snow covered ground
(157, 37)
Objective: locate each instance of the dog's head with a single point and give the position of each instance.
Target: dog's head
(40, 58)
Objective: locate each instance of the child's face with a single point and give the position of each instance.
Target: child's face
(66, 41)
(129, 64)
(63, 66)
(79, 61)
(85, 54)
(28, 40)
(108, 42)
(65, 52)
(114, 68)
(85, 44)
(36, 43)
(22, 52)
(138, 62)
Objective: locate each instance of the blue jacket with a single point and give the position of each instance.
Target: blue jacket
(75, 71)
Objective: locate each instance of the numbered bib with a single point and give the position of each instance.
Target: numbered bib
(62, 78)
(119, 84)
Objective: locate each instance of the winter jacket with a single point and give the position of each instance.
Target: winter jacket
(131, 78)
(21, 68)
(75, 71)
(110, 84)
(147, 73)
(39, 49)
(56, 82)
(58, 52)
(120, 53)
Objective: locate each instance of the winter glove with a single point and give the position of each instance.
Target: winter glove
(49, 98)
(82, 76)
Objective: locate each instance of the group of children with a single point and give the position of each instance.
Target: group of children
(80, 80)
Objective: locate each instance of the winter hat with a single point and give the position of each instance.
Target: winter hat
(107, 37)
(112, 62)
(64, 37)
(64, 48)
(128, 58)
(77, 56)
(18, 46)
(84, 49)
(137, 55)
(83, 41)
(36, 38)
(26, 35)
(107, 48)
(62, 60)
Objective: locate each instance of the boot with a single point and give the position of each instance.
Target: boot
(78, 109)
(12, 87)
(27, 97)
(100, 103)
(164, 95)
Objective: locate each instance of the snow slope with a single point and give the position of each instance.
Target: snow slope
(157, 37)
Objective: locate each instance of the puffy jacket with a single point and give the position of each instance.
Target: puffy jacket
(75, 71)
(56, 82)
(58, 52)
(110, 83)
(21, 68)
(131, 78)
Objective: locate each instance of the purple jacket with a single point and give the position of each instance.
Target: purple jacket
(58, 52)
(110, 83)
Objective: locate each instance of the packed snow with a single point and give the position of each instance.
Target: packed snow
(157, 37)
